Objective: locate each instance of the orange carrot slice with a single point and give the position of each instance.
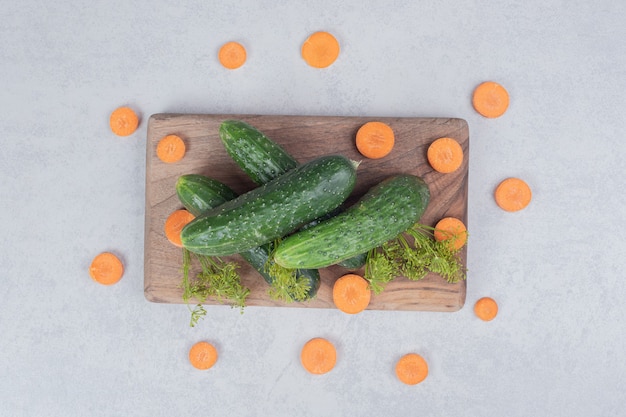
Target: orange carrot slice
(318, 356)
(202, 355)
(320, 49)
(232, 55)
(106, 269)
(375, 140)
(123, 121)
(411, 369)
(445, 155)
(171, 149)
(174, 225)
(486, 309)
(351, 293)
(490, 99)
(452, 230)
(513, 194)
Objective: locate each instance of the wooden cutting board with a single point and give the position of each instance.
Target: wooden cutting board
(305, 137)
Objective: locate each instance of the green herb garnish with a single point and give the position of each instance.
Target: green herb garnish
(286, 285)
(412, 254)
(217, 278)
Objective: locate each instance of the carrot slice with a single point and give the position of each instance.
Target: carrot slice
(452, 230)
(232, 55)
(320, 49)
(123, 121)
(490, 99)
(174, 225)
(513, 194)
(486, 309)
(202, 355)
(318, 356)
(170, 149)
(375, 140)
(445, 155)
(351, 293)
(106, 269)
(411, 369)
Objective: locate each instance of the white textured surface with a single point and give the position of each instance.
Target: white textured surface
(71, 189)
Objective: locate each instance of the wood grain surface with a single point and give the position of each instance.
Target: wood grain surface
(305, 137)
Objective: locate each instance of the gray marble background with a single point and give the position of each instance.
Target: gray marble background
(70, 189)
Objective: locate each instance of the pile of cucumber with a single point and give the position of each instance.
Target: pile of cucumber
(294, 216)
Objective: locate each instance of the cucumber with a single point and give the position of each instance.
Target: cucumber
(274, 209)
(355, 262)
(199, 194)
(263, 160)
(386, 210)
(257, 155)
(352, 263)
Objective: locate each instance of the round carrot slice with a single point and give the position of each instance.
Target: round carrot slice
(170, 149)
(490, 99)
(452, 230)
(232, 55)
(202, 355)
(123, 121)
(445, 155)
(318, 356)
(174, 225)
(320, 49)
(513, 194)
(486, 309)
(351, 293)
(411, 369)
(106, 269)
(375, 140)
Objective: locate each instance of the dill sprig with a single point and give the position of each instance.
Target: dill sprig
(413, 260)
(381, 267)
(217, 278)
(286, 284)
(443, 259)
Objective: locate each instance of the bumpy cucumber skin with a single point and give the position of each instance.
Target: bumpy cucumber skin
(385, 211)
(354, 262)
(274, 209)
(263, 160)
(257, 155)
(199, 194)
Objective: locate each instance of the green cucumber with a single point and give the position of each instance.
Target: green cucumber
(386, 210)
(352, 263)
(355, 262)
(257, 155)
(274, 209)
(199, 194)
(263, 160)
